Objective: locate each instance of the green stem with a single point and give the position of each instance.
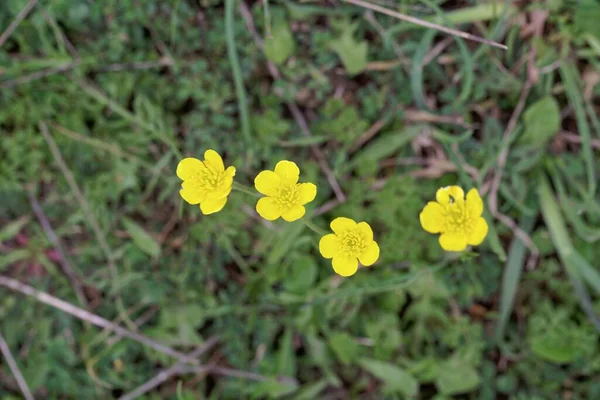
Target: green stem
(237, 71)
(310, 225)
(244, 189)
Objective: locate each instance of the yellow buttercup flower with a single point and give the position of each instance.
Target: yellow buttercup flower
(285, 197)
(458, 220)
(206, 182)
(348, 244)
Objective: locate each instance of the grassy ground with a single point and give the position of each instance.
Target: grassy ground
(101, 99)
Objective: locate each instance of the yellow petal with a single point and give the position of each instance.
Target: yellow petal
(267, 183)
(444, 194)
(288, 171)
(308, 192)
(370, 255)
(212, 206)
(213, 161)
(191, 193)
(268, 208)
(474, 203)
(328, 245)
(344, 265)
(367, 232)
(188, 167)
(479, 232)
(342, 224)
(453, 242)
(230, 171)
(432, 217)
(294, 213)
(219, 193)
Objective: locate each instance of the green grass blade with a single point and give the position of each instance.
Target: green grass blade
(512, 275)
(237, 71)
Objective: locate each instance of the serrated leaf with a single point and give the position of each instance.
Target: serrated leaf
(542, 121)
(281, 45)
(141, 238)
(395, 378)
(351, 51)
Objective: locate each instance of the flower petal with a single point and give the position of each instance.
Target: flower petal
(219, 193)
(268, 208)
(432, 217)
(192, 193)
(453, 242)
(474, 203)
(308, 192)
(443, 195)
(366, 231)
(328, 245)
(230, 171)
(213, 161)
(267, 182)
(288, 171)
(479, 232)
(294, 213)
(213, 205)
(342, 224)
(188, 167)
(370, 255)
(344, 265)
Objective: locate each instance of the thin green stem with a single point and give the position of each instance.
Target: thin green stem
(237, 71)
(245, 189)
(310, 225)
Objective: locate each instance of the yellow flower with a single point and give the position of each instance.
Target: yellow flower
(348, 244)
(458, 220)
(285, 196)
(206, 183)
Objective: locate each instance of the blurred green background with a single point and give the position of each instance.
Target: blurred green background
(100, 100)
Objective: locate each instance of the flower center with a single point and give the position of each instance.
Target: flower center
(352, 242)
(208, 179)
(458, 218)
(287, 196)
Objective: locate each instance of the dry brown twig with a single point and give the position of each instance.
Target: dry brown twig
(12, 364)
(430, 25)
(18, 19)
(55, 241)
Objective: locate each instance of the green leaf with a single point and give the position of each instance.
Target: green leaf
(345, 347)
(542, 121)
(11, 230)
(301, 274)
(386, 145)
(352, 52)
(396, 379)
(554, 348)
(456, 377)
(144, 241)
(286, 360)
(587, 15)
(281, 45)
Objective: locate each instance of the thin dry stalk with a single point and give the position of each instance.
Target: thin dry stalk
(417, 21)
(12, 364)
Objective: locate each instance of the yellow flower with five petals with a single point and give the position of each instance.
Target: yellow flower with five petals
(285, 197)
(348, 244)
(206, 182)
(458, 219)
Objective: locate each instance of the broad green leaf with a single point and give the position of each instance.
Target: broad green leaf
(345, 347)
(456, 377)
(587, 15)
(301, 274)
(281, 45)
(142, 239)
(286, 360)
(542, 121)
(555, 348)
(395, 378)
(351, 51)
(387, 144)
